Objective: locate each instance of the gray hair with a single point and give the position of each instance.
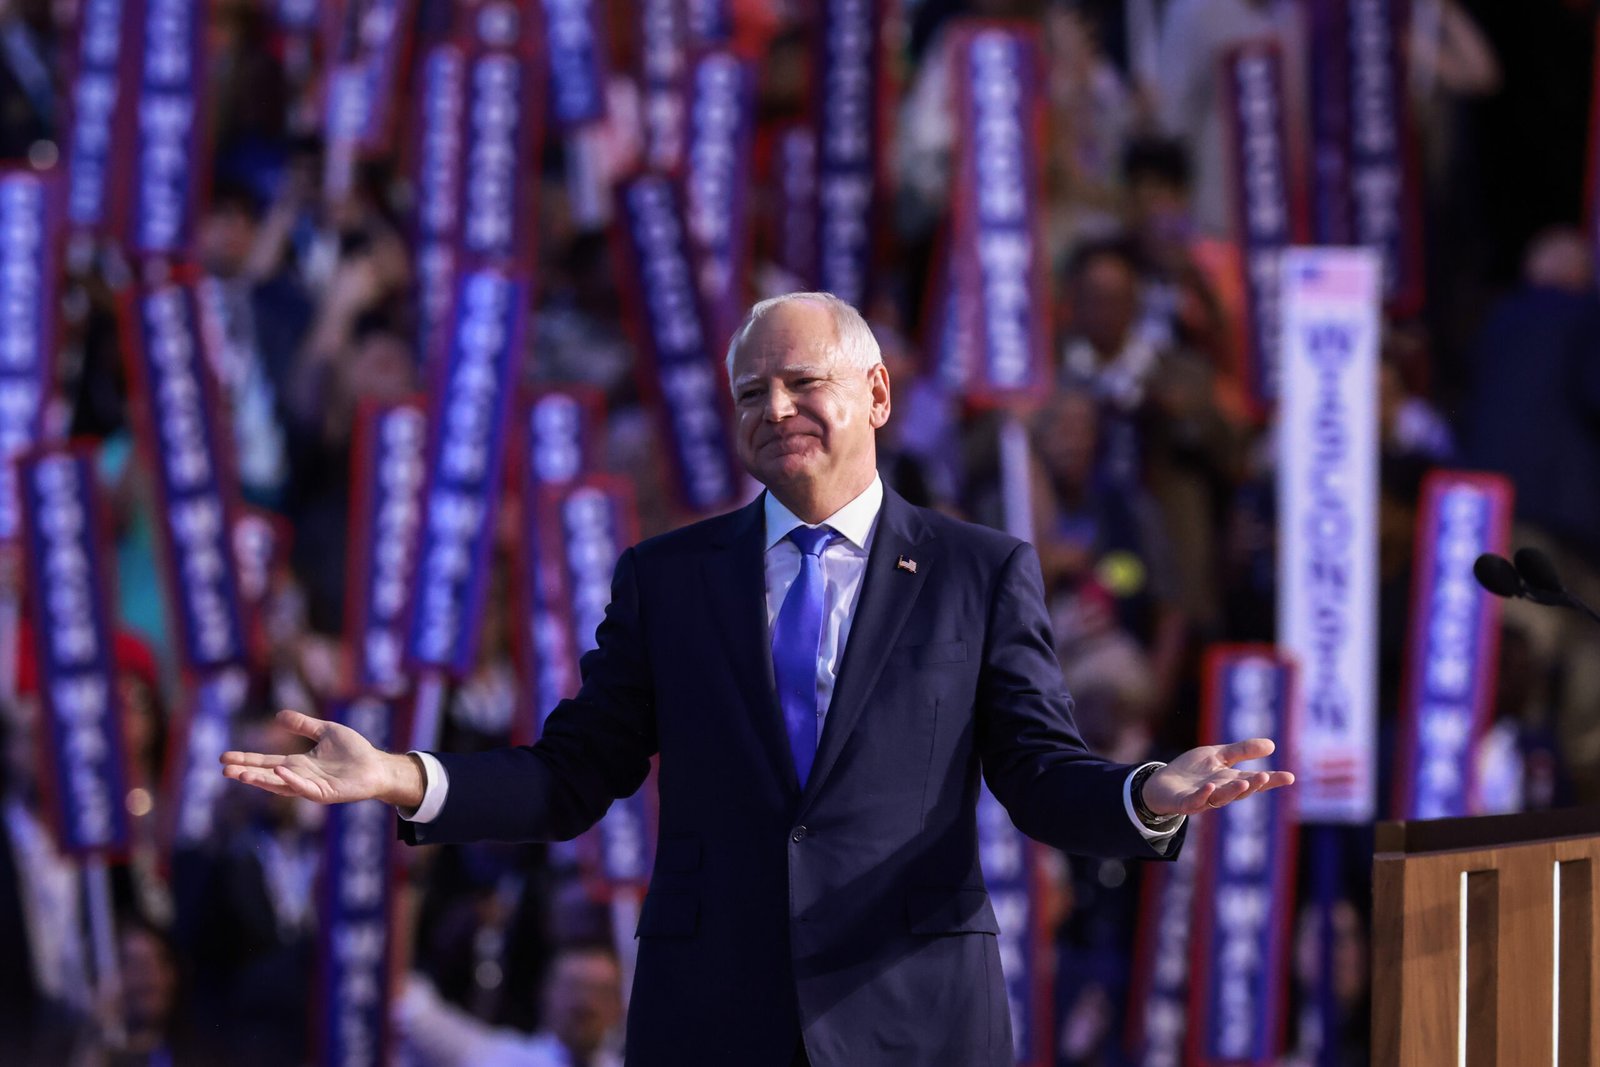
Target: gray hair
(853, 338)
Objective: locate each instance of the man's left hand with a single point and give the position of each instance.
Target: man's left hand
(1204, 778)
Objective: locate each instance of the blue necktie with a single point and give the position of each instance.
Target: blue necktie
(796, 640)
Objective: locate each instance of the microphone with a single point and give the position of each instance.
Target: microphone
(1543, 585)
(1498, 576)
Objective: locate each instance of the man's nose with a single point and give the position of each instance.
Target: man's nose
(780, 405)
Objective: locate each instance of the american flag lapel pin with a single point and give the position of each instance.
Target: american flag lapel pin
(908, 565)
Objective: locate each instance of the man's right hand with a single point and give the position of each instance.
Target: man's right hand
(341, 767)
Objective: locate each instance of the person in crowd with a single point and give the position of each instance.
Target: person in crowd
(582, 1012)
(1535, 358)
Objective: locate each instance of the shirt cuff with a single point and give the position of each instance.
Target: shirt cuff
(1168, 827)
(436, 786)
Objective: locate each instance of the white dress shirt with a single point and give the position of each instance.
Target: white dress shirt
(844, 565)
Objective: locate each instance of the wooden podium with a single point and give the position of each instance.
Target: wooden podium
(1484, 941)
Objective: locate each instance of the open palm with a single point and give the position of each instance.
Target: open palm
(1205, 778)
(341, 767)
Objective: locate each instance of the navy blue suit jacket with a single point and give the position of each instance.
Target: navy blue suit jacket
(853, 910)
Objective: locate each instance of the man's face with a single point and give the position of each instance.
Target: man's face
(584, 1000)
(1108, 302)
(805, 416)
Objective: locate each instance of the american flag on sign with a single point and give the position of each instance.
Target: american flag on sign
(1335, 277)
(1334, 772)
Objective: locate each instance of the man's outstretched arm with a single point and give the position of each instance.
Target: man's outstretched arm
(595, 748)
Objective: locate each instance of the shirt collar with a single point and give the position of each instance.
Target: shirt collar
(853, 521)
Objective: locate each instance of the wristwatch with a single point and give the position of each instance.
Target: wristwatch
(1148, 817)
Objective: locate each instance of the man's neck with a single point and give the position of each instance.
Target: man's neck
(813, 504)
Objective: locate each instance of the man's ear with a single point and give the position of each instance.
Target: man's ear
(878, 384)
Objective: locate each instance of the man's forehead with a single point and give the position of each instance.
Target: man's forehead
(756, 370)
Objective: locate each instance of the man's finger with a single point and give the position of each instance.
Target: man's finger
(251, 759)
(301, 785)
(259, 779)
(302, 724)
(1241, 751)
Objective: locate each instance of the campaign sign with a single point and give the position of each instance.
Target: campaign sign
(848, 76)
(710, 22)
(1266, 214)
(1026, 957)
(356, 936)
(682, 366)
(96, 139)
(441, 103)
(998, 256)
(388, 470)
(717, 182)
(66, 557)
(557, 446)
(663, 72)
(1244, 900)
(1453, 647)
(29, 274)
(1329, 120)
(1385, 183)
(1327, 523)
(794, 221)
(1158, 1023)
(216, 700)
(574, 37)
(383, 41)
(163, 181)
(501, 134)
(187, 444)
(468, 418)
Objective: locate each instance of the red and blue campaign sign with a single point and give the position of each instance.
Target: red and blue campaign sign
(849, 84)
(1159, 1019)
(592, 520)
(185, 440)
(66, 556)
(96, 138)
(441, 102)
(383, 39)
(29, 274)
(162, 185)
(1010, 871)
(710, 22)
(500, 136)
(215, 701)
(663, 73)
(1329, 120)
(1267, 216)
(998, 256)
(557, 446)
(681, 363)
(574, 35)
(717, 182)
(468, 417)
(388, 471)
(355, 941)
(1384, 177)
(1244, 902)
(1453, 647)
(794, 218)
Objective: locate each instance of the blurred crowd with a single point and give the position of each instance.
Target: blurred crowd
(1153, 485)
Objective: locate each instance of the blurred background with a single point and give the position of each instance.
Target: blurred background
(1151, 474)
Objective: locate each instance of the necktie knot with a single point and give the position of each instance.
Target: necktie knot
(811, 540)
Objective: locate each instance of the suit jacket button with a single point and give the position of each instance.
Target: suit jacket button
(799, 833)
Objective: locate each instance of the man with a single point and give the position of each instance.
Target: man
(582, 1008)
(816, 896)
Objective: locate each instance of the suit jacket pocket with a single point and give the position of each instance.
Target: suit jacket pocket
(931, 653)
(950, 911)
(669, 915)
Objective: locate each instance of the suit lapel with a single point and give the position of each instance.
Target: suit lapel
(888, 592)
(734, 575)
